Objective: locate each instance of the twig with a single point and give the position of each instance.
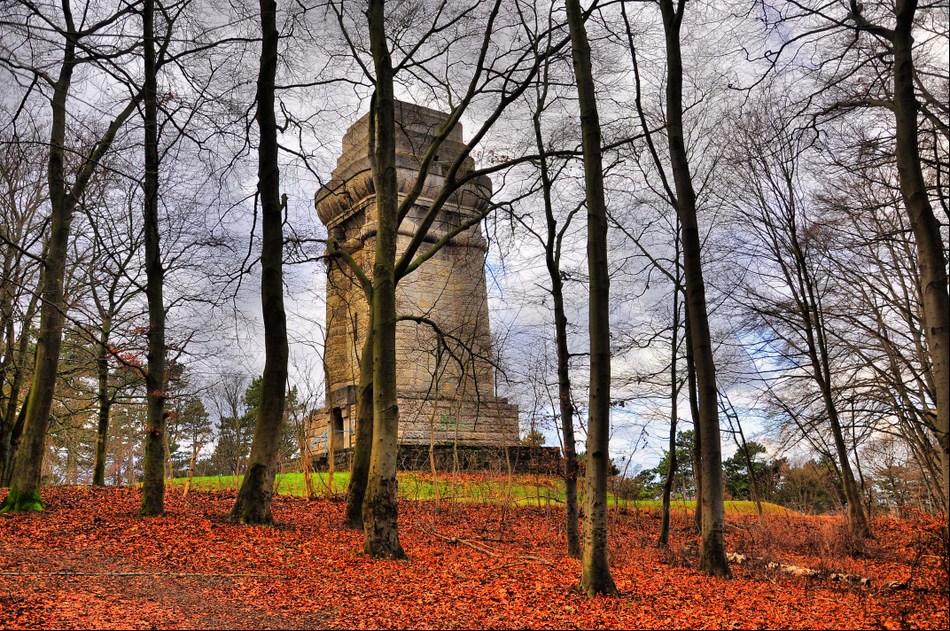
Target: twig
(484, 550)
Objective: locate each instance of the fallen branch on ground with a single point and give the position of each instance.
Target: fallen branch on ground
(484, 550)
(794, 570)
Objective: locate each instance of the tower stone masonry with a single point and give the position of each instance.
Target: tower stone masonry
(445, 379)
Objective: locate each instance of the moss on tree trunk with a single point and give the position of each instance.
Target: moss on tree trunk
(22, 501)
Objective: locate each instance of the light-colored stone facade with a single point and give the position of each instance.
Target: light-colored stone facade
(445, 380)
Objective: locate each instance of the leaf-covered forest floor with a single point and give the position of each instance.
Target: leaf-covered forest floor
(90, 562)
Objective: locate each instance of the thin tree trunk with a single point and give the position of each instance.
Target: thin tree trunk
(15, 434)
(595, 571)
(697, 449)
(713, 550)
(857, 520)
(195, 448)
(818, 350)
(664, 538)
(9, 365)
(743, 446)
(380, 509)
(306, 468)
(803, 288)
(153, 463)
(362, 451)
(166, 453)
(8, 422)
(105, 404)
(567, 420)
(13, 418)
(28, 465)
(432, 468)
(552, 256)
(254, 498)
(331, 458)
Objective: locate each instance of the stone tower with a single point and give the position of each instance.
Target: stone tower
(445, 382)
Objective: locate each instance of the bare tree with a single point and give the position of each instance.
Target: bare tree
(932, 258)
(875, 55)
(380, 530)
(775, 212)
(25, 483)
(713, 550)
(21, 200)
(595, 571)
(253, 502)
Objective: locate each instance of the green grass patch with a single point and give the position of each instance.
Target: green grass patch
(525, 490)
(732, 507)
(285, 484)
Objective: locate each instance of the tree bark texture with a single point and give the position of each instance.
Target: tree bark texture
(105, 404)
(595, 571)
(13, 418)
(552, 261)
(362, 451)
(28, 461)
(713, 549)
(254, 498)
(930, 248)
(380, 508)
(697, 426)
(153, 463)
(664, 539)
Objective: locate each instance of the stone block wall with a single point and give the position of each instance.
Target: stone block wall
(445, 377)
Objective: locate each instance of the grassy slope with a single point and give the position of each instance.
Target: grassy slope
(524, 489)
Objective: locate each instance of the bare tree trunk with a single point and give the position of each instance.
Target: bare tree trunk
(930, 248)
(857, 520)
(567, 419)
(191, 467)
(105, 404)
(307, 469)
(359, 470)
(713, 550)
(595, 571)
(254, 498)
(15, 434)
(380, 509)
(28, 466)
(7, 439)
(697, 426)
(153, 481)
(11, 367)
(552, 258)
(331, 460)
(743, 446)
(12, 419)
(664, 538)
(432, 468)
(813, 322)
